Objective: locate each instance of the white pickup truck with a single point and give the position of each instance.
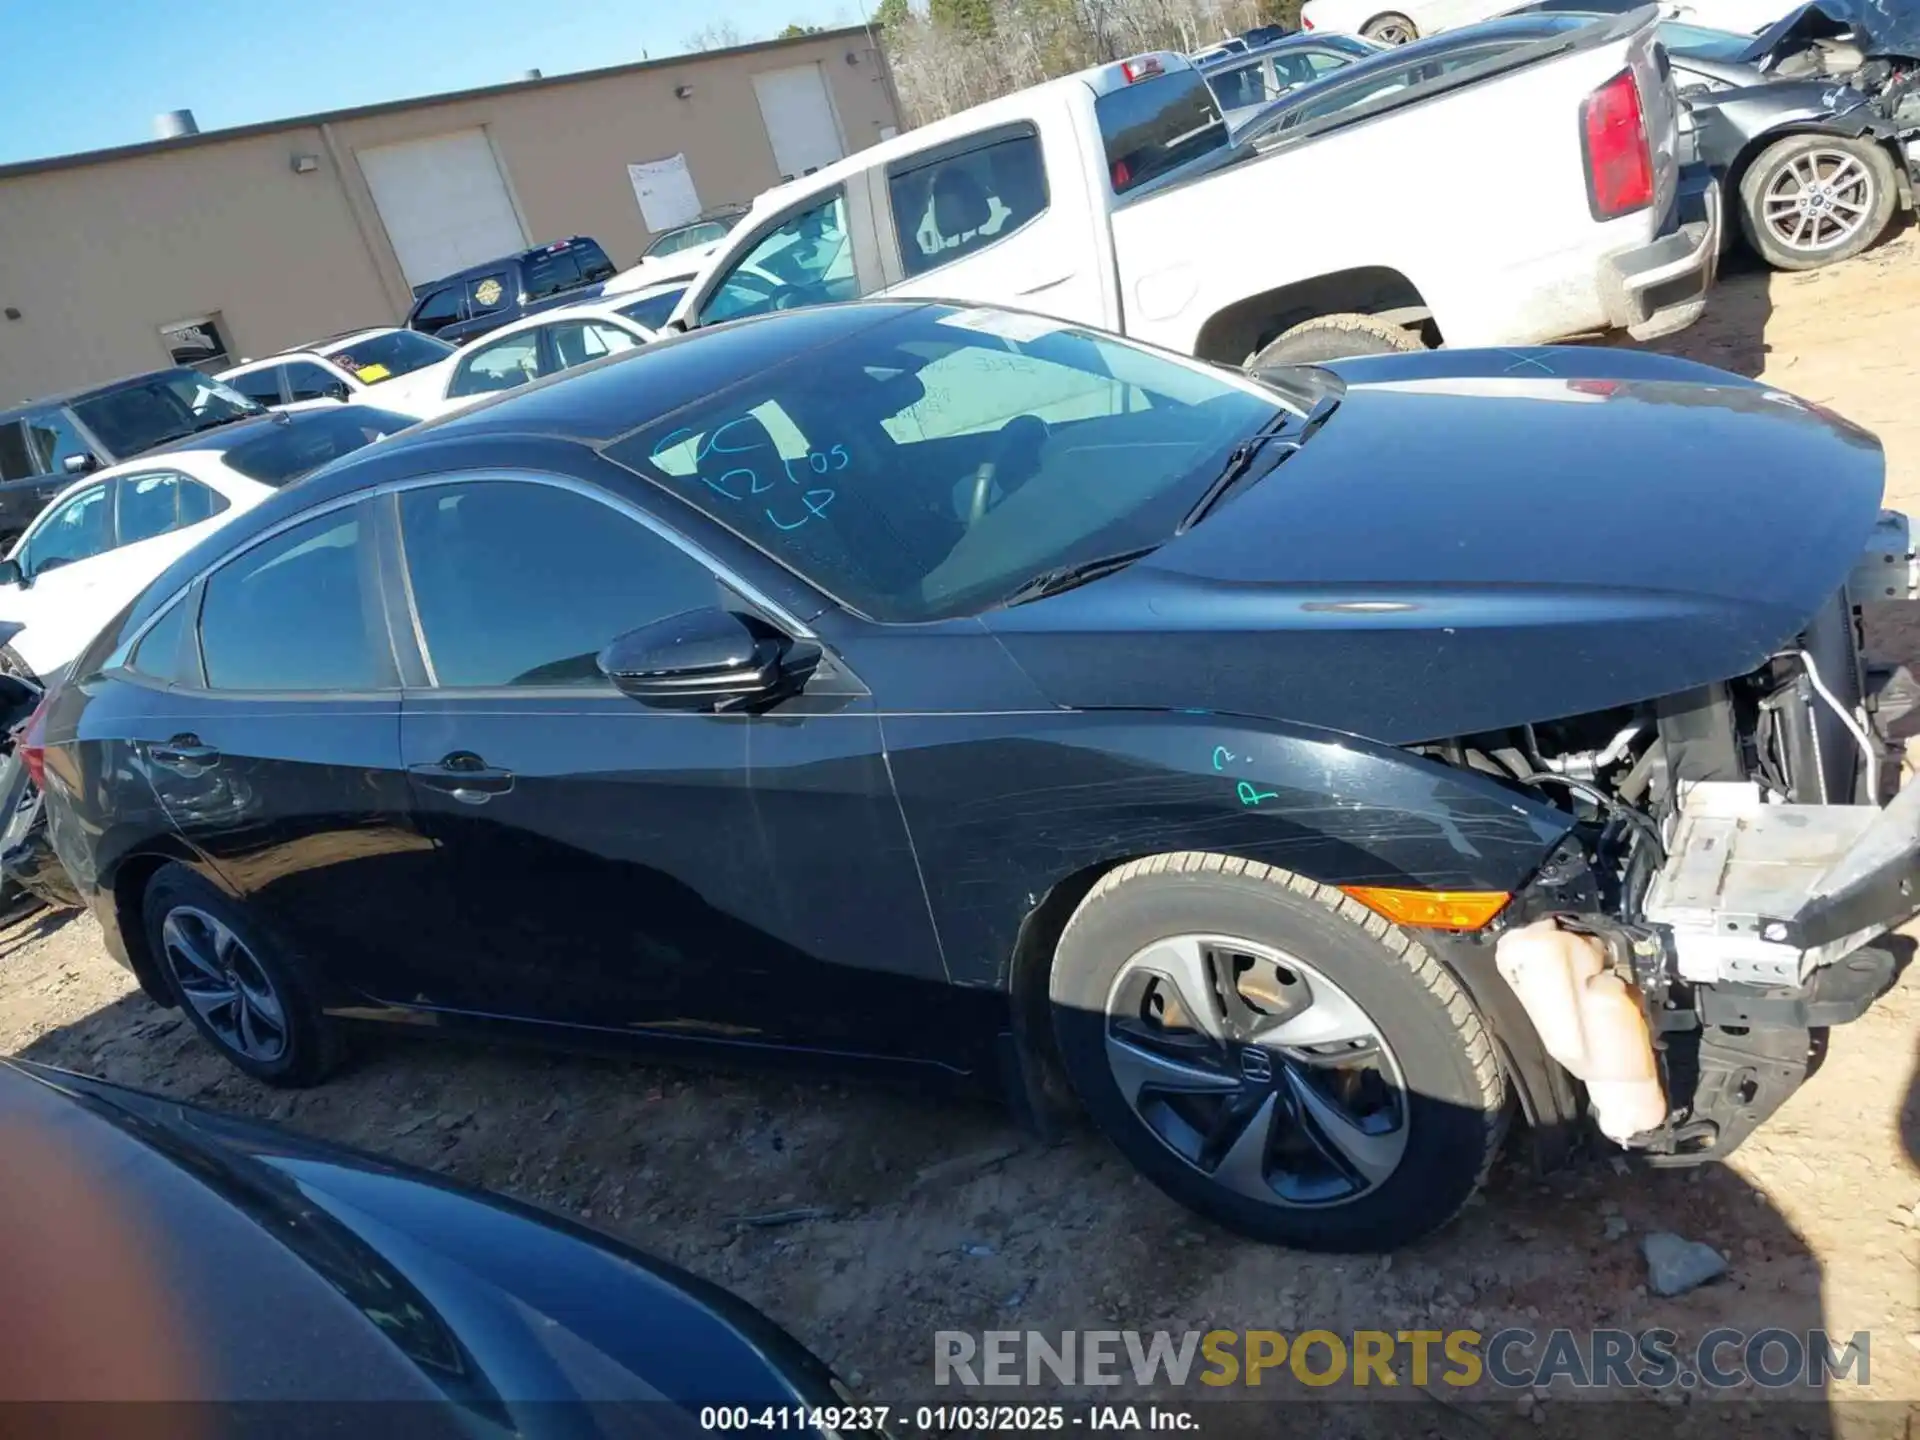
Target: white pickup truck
(1510, 187)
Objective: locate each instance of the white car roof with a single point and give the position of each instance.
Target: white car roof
(319, 350)
(205, 466)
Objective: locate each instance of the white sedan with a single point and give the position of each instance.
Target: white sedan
(342, 367)
(105, 537)
(538, 345)
(1394, 22)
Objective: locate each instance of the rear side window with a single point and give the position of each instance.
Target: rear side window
(593, 261)
(519, 584)
(502, 365)
(297, 612)
(152, 505)
(308, 381)
(550, 272)
(260, 386)
(950, 207)
(167, 652)
(1156, 126)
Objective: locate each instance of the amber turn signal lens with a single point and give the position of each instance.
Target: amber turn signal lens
(1431, 909)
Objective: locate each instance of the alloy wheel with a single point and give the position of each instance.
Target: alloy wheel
(220, 978)
(1391, 33)
(1257, 1070)
(1818, 200)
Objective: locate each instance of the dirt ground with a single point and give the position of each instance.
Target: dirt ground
(939, 1215)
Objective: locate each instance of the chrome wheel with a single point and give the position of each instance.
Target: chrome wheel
(1391, 32)
(218, 976)
(1818, 201)
(1256, 1070)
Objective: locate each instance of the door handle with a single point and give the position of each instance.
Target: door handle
(464, 776)
(184, 753)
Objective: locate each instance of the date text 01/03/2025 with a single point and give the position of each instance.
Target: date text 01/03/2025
(947, 1419)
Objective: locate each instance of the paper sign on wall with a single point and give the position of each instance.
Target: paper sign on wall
(665, 191)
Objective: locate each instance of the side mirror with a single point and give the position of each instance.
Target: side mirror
(707, 659)
(338, 390)
(79, 464)
(12, 574)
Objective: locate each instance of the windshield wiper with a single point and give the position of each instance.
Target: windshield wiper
(1065, 577)
(1240, 462)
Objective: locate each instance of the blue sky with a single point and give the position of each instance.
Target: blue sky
(86, 74)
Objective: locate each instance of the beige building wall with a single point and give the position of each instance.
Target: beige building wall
(96, 254)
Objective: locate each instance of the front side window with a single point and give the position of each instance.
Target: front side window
(575, 342)
(374, 358)
(501, 365)
(949, 208)
(319, 437)
(160, 408)
(807, 259)
(152, 505)
(1156, 126)
(439, 309)
(298, 612)
(16, 460)
(166, 652)
(308, 381)
(930, 464)
(654, 310)
(522, 584)
(54, 440)
(1239, 87)
(1302, 66)
(79, 530)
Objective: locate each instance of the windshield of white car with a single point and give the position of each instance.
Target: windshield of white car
(294, 450)
(374, 358)
(654, 310)
(161, 408)
(1155, 126)
(929, 465)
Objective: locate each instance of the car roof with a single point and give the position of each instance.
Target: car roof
(88, 392)
(1305, 39)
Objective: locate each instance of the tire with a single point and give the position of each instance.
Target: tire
(1406, 1163)
(1390, 29)
(1847, 218)
(1334, 337)
(185, 914)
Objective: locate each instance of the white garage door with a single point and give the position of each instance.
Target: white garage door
(799, 116)
(443, 202)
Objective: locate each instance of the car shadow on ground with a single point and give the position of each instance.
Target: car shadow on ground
(868, 1220)
(1732, 334)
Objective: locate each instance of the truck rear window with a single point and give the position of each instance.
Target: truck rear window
(1158, 125)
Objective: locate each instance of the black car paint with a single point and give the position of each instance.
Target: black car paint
(867, 867)
(514, 267)
(297, 1270)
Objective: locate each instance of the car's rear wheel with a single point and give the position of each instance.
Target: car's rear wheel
(1274, 1055)
(1334, 337)
(235, 981)
(1390, 29)
(1814, 200)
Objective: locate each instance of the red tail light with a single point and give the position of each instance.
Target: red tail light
(30, 740)
(1305, 23)
(1613, 132)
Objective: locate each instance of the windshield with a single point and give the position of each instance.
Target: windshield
(674, 241)
(374, 358)
(930, 465)
(1702, 43)
(155, 409)
(654, 310)
(309, 440)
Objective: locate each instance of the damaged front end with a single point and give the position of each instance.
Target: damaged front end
(1741, 852)
(1869, 45)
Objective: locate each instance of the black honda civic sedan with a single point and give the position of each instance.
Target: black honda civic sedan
(955, 690)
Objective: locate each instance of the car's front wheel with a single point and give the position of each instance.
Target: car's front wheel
(1390, 29)
(1274, 1055)
(239, 985)
(1814, 200)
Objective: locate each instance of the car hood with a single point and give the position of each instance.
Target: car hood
(1880, 27)
(298, 1270)
(1482, 539)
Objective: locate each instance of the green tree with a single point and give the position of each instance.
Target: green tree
(891, 14)
(796, 30)
(970, 17)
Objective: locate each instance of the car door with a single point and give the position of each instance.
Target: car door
(276, 754)
(487, 302)
(59, 560)
(716, 876)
